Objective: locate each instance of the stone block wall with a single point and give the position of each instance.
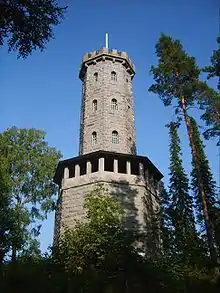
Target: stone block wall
(99, 86)
(137, 195)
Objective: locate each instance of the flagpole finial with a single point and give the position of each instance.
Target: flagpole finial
(106, 40)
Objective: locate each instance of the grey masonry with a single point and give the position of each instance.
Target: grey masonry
(107, 150)
(107, 85)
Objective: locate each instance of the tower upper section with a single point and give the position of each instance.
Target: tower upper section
(107, 111)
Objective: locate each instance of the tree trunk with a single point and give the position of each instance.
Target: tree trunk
(208, 225)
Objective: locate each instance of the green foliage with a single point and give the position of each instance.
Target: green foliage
(214, 69)
(211, 117)
(98, 255)
(206, 177)
(103, 210)
(31, 165)
(177, 77)
(176, 74)
(171, 75)
(27, 25)
(177, 82)
(98, 242)
(167, 233)
(6, 213)
(186, 242)
(211, 105)
(215, 215)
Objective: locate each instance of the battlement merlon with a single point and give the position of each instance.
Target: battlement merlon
(108, 54)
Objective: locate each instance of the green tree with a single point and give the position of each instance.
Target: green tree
(97, 250)
(216, 224)
(6, 213)
(177, 83)
(167, 233)
(213, 70)
(208, 183)
(211, 117)
(31, 166)
(27, 25)
(186, 241)
(212, 105)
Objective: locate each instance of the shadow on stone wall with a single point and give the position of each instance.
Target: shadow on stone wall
(125, 194)
(151, 219)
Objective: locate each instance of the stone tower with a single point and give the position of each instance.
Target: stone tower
(107, 151)
(107, 102)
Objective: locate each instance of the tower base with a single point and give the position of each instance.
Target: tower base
(132, 180)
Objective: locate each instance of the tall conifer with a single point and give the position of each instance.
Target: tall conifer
(208, 183)
(181, 207)
(176, 81)
(167, 235)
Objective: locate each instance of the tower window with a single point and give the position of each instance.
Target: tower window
(96, 76)
(94, 105)
(94, 138)
(114, 104)
(113, 76)
(115, 138)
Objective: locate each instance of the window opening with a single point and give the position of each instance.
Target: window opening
(94, 138)
(115, 138)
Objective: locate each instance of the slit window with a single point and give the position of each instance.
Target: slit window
(115, 138)
(94, 138)
(114, 104)
(96, 76)
(113, 76)
(94, 105)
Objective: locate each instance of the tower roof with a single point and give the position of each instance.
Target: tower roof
(110, 54)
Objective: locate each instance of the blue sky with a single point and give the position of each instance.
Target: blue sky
(44, 91)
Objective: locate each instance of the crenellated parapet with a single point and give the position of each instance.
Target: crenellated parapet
(106, 54)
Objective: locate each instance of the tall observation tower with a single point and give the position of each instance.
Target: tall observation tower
(107, 147)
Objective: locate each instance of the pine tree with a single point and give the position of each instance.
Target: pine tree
(213, 70)
(177, 82)
(211, 115)
(216, 224)
(208, 183)
(181, 206)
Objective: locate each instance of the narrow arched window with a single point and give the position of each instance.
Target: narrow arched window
(94, 138)
(113, 76)
(96, 76)
(115, 138)
(114, 104)
(94, 105)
